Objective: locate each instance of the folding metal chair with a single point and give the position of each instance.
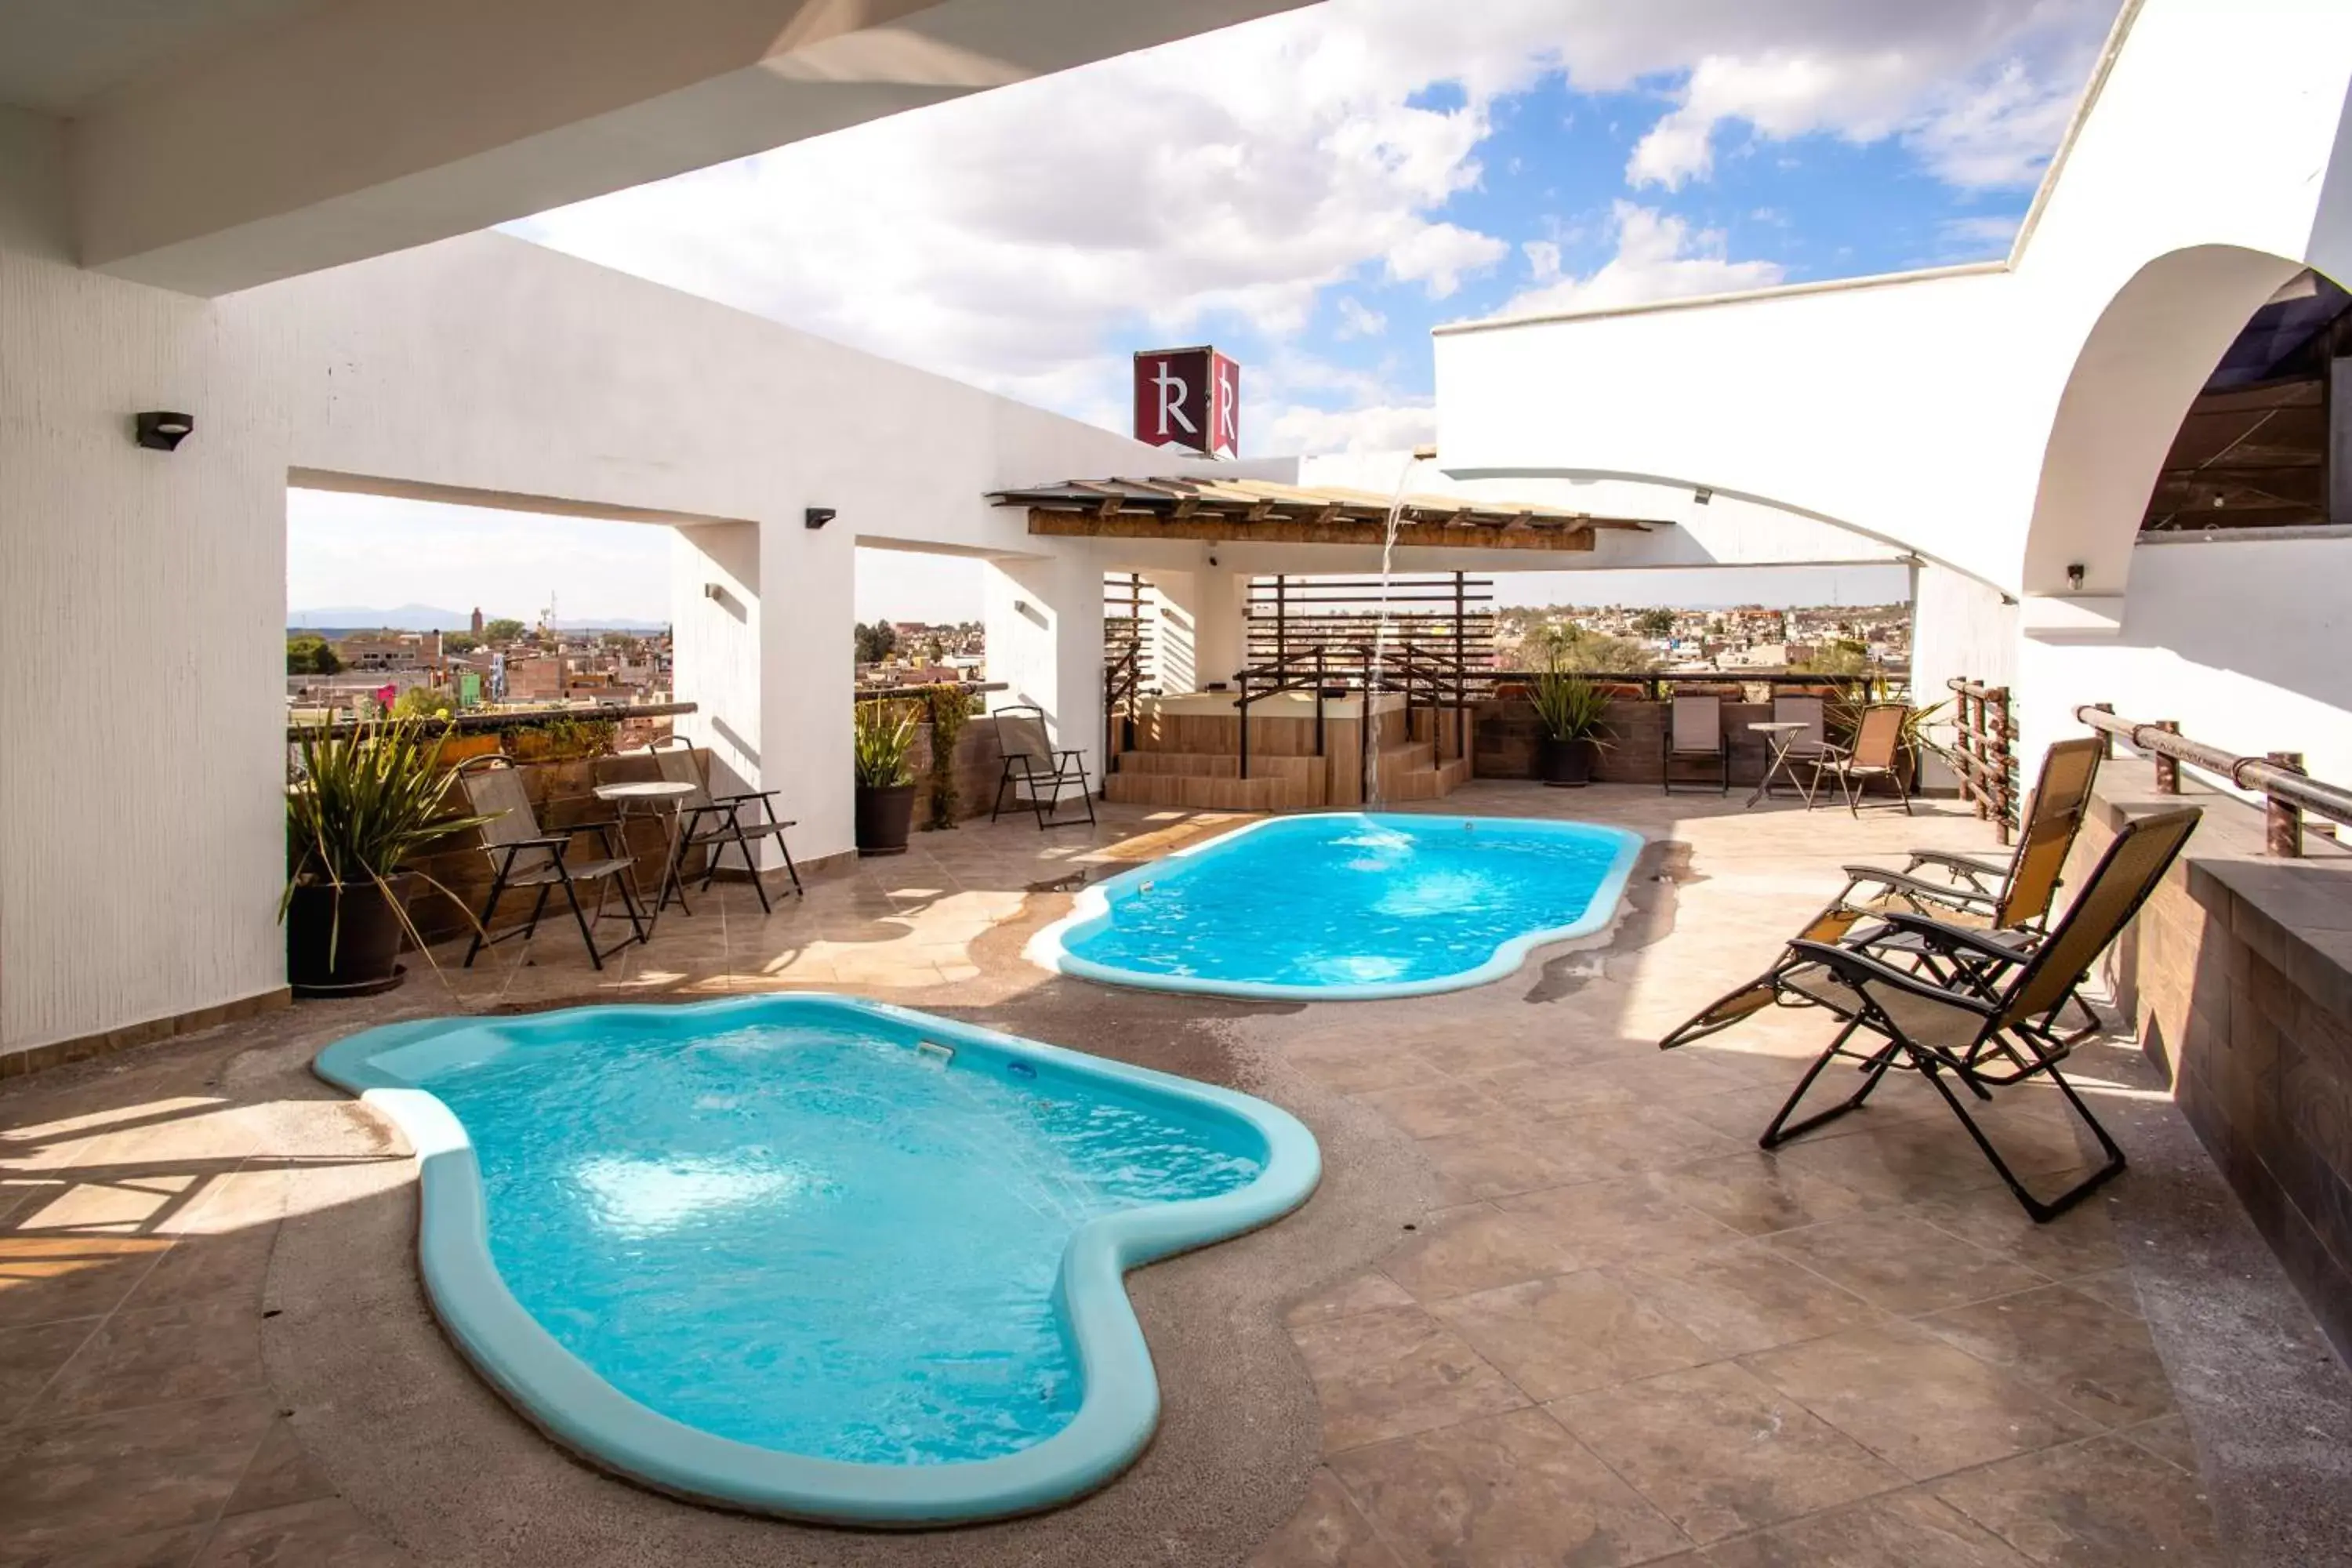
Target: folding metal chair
(1958, 1031)
(1035, 771)
(2008, 901)
(713, 822)
(1695, 732)
(522, 855)
(1876, 753)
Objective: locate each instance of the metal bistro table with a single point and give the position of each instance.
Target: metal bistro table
(664, 797)
(1781, 734)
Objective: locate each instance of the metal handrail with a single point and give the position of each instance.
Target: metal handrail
(1246, 696)
(498, 724)
(2287, 791)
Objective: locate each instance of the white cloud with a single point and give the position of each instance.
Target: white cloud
(1440, 255)
(1358, 320)
(1659, 256)
(1385, 427)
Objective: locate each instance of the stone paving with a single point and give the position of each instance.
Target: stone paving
(1606, 1330)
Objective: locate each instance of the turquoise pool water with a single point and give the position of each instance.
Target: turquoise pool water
(813, 1229)
(1339, 906)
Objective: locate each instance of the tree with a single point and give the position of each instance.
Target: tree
(1655, 623)
(1842, 658)
(423, 702)
(502, 630)
(1573, 648)
(310, 654)
(877, 642)
(459, 642)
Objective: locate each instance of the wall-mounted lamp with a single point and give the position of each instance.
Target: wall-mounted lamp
(2074, 576)
(1703, 495)
(163, 432)
(817, 516)
(713, 590)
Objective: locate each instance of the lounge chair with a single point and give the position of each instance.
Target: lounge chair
(1695, 734)
(1987, 1041)
(2010, 902)
(1876, 754)
(522, 855)
(1035, 772)
(714, 822)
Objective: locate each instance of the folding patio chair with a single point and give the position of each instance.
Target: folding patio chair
(1695, 732)
(713, 822)
(522, 855)
(2010, 911)
(1984, 1041)
(1876, 754)
(1036, 772)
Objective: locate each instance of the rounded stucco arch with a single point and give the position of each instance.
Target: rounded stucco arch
(2143, 363)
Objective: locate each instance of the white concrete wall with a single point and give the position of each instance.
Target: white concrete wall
(142, 595)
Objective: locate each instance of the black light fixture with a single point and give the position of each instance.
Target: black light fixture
(163, 432)
(817, 516)
(1703, 495)
(2074, 575)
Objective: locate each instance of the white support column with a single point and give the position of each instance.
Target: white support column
(1044, 624)
(714, 593)
(1203, 632)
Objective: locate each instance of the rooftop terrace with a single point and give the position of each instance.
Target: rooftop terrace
(1551, 1304)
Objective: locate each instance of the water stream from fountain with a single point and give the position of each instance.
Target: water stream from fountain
(1381, 633)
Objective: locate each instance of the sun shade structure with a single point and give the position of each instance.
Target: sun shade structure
(1218, 509)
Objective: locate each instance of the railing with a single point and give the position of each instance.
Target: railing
(1275, 670)
(499, 723)
(885, 693)
(2286, 789)
(1448, 612)
(1122, 681)
(1983, 753)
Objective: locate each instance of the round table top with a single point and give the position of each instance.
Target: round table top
(1782, 724)
(645, 789)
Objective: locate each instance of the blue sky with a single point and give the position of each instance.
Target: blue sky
(1313, 192)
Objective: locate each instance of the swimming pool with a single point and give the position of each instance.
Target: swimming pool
(1345, 906)
(810, 1254)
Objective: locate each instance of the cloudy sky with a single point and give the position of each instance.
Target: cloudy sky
(1314, 191)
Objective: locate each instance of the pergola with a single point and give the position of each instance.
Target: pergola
(1260, 511)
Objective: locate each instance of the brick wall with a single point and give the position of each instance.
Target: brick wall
(1507, 741)
(2238, 977)
(979, 763)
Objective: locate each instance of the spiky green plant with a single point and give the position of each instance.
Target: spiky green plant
(885, 744)
(1571, 708)
(362, 799)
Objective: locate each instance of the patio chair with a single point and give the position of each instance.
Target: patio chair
(1985, 1042)
(1876, 754)
(1695, 734)
(1035, 771)
(522, 855)
(713, 822)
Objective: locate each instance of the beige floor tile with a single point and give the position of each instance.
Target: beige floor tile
(123, 1474)
(2168, 1438)
(1393, 1372)
(1500, 1161)
(326, 1533)
(2105, 1503)
(1894, 1263)
(48, 1279)
(1366, 1293)
(1567, 1334)
(1501, 1492)
(281, 1474)
(1632, 1139)
(1436, 1109)
(1902, 1530)
(1755, 1194)
(1720, 1451)
(1363, 1070)
(1328, 1531)
(197, 1350)
(1476, 1246)
(1747, 1297)
(31, 1356)
(1601, 1222)
(1923, 1406)
(2081, 1352)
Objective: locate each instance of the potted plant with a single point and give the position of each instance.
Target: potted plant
(1574, 714)
(364, 799)
(886, 776)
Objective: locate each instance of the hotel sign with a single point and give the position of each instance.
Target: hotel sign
(1188, 397)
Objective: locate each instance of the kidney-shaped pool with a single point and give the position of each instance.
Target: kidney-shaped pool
(1345, 906)
(813, 1256)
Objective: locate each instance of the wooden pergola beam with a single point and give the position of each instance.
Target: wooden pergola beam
(1304, 530)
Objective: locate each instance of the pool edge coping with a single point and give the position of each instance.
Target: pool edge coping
(574, 1406)
(1048, 949)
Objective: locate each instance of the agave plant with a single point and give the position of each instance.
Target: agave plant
(885, 744)
(1571, 708)
(363, 798)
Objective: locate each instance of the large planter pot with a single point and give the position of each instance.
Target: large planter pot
(886, 814)
(361, 926)
(1567, 764)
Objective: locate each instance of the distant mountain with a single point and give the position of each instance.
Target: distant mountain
(400, 618)
(432, 618)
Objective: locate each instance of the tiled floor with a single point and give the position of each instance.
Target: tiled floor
(1623, 1334)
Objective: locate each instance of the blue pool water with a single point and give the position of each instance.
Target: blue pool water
(1353, 905)
(816, 1229)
